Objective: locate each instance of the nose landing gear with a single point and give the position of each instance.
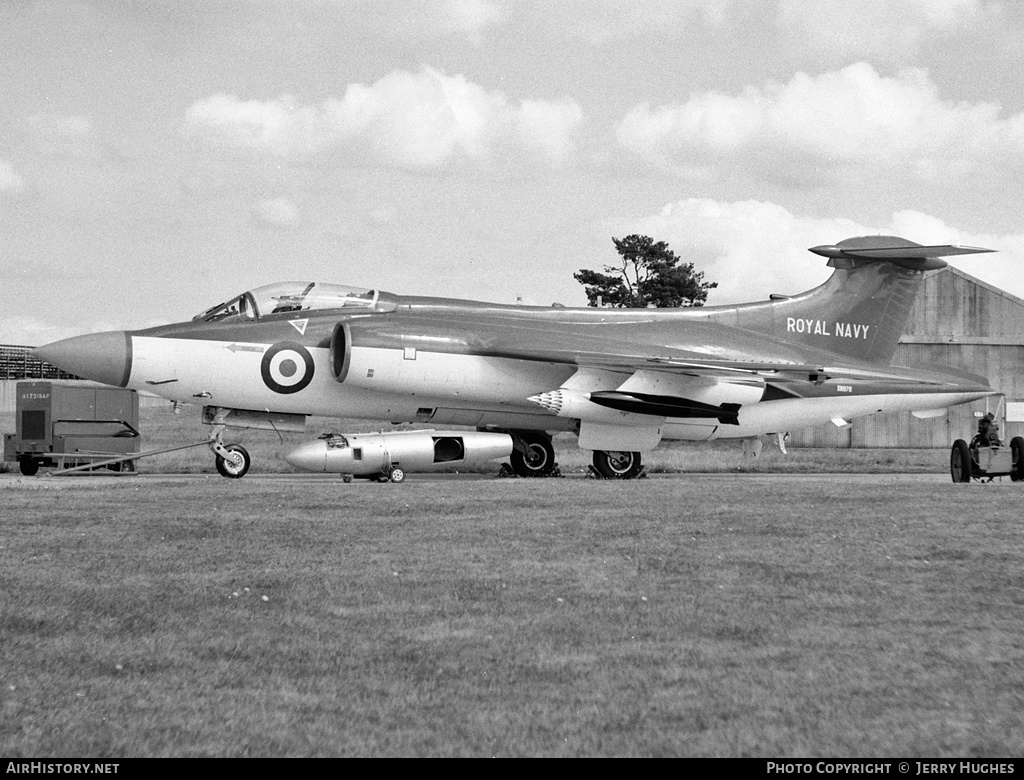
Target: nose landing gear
(232, 460)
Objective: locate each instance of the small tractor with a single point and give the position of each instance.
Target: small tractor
(987, 457)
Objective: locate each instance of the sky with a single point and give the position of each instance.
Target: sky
(157, 158)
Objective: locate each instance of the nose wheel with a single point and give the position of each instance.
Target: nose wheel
(236, 463)
(232, 460)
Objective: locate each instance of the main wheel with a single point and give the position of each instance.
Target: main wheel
(617, 465)
(960, 461)
(539, 459)
(397, 474)
(28, 466)
(237, 464)
(1017, 448)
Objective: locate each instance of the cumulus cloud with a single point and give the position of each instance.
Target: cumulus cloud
(276, 212)
(754, 248)
(820, 126)
(422, 120)
(9, 180)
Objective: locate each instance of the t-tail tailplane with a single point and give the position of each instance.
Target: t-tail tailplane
(863, 308)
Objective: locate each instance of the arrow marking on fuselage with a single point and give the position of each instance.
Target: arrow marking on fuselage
(299, 325)
(245, 348)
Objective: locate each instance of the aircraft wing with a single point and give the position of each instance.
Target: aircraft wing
(791, 371)
(676, 387)
(621, 358)
(670, 383)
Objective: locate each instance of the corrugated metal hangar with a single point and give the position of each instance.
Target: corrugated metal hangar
(956, 321)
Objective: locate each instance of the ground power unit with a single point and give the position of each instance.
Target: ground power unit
(66, 425)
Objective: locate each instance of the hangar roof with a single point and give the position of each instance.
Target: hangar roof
(954, 307)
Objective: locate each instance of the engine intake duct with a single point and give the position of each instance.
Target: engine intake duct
(341, 351)
(666, 406)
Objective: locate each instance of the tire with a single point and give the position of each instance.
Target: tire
(540, 458)
(397, 474)
(1017, 448)
(617, 465)
(28, 466)
(236, 468)
(960, 461)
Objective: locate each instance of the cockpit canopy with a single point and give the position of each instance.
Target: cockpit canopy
(288, 297)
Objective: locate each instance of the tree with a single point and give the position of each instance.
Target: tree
(649, 275)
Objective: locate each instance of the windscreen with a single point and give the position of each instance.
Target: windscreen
(239, 308)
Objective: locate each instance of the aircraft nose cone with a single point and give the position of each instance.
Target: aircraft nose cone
(101, 357)
(311, 456)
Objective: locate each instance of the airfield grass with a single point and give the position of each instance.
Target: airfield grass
(711, 615)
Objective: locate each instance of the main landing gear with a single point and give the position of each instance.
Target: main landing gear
(533, 455)
(617, 465)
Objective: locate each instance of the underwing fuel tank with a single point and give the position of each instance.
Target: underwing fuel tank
(370, 454)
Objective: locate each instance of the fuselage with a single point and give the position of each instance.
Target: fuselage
(451, 362)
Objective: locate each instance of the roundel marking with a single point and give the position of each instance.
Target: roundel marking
(287, 367)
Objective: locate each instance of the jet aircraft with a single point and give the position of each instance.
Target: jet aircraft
(622, 380)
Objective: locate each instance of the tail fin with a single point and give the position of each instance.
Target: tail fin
(862, 310)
